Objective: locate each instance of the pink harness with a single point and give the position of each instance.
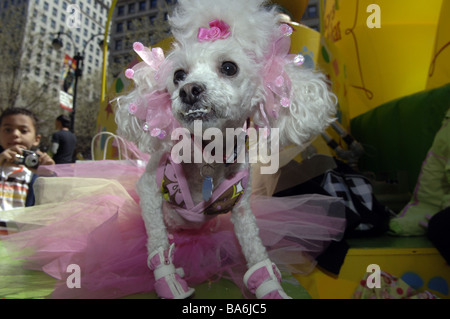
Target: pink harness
(174, 187)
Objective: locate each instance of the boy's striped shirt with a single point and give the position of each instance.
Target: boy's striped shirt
(14, 186)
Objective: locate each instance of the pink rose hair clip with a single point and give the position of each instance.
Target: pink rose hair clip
(218, 30)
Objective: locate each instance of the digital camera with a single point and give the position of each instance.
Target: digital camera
(28, 158)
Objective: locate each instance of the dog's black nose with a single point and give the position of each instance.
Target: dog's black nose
(190, 93)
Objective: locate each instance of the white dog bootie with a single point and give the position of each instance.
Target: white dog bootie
(263, 280)
(168, 280)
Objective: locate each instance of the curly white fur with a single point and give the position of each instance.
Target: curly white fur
(227, 100)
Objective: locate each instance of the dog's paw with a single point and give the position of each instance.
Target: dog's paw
(263, 280)
(169, 283)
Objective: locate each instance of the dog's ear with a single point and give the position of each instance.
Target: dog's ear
(297, 100)
(307, 108)
(312, 107)
(144, 115)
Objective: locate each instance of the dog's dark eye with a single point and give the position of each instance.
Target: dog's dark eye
(179, 76)
(229, 68)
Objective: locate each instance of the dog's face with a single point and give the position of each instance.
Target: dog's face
(237, 69)
(217, 83)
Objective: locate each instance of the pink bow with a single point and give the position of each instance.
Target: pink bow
(218, 30)
(154, 108)
(276, 81)
(151, 57)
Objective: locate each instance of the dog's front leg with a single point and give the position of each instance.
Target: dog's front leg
(168, 280)
(263, 277)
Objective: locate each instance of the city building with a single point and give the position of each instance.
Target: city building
(311, 16)
(78, 22)
(146, 21)
(136, 20)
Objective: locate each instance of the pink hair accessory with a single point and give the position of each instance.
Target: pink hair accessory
(129, 73)
(265, 120)
(286, 29)
(277, 83)
(132, 108)
(299, 60)
(157, 132)
(151, 57)
(218, 30)
(285, 102)
(155, 108)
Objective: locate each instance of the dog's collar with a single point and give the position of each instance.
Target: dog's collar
(207, 170)
(175, 188)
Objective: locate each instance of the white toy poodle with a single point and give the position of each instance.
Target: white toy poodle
(229, 68)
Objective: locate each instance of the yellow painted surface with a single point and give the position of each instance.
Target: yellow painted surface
(425, 262)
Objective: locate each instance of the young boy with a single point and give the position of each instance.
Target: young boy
(18, 132)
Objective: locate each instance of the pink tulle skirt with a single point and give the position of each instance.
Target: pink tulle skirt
(88, 215)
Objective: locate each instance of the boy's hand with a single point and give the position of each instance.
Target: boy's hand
(45, 159)
(9, 155)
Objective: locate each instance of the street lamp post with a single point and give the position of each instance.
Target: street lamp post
(78, 72)
(58, 44)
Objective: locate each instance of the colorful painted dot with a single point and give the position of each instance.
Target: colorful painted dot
(439, 284)
(412, 279)
(325, 54)
(119, 85)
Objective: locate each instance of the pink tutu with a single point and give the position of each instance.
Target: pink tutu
(89, 216)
